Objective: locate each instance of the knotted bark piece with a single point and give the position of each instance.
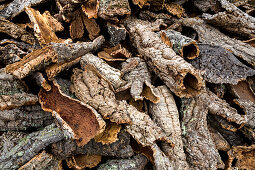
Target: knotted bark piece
(78, 120)
(139, 80)
(180, 76)
(220, 65)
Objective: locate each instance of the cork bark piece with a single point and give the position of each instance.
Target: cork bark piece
(180, 76)
(219, 141)
(41, 81)
(116, 53)
(160, 159)
(175, 9)
(78, 120)
(233, 20)
(76, 27)
(182, 45)
(24, 117)
(91, 26)
(237, 47)
(166, 116)
(243, 91)
(200, 150)
(117, 33)
(205, 6)
(42, 161)
(53, 53)
(83, 161)
(10, 53)
(220, 65)
(29, 146)
(13, 92)
(141, 3)
(138, 80)
(90, 8)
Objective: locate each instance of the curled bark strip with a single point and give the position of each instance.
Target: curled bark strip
(233, 20)
(237, 47)
(83, 161)
(41, 81)
(13, 92)
(54, 53)
(244, 156)
(18, 6)
(139, 80)
(182, 45)
(29, 146)
(109, 73)
(15, 31)
(42, 161)
(42, 29)
(120, 148)
(220, 65)
(218, 139)
(243, 91)
(90, 8)
(23, 118)
(200, 150)
(137, 162)
(116, 53)
(175, 9)
(166, 116)
(83, 124)
(180, 76)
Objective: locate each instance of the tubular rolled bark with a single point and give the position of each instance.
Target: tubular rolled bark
(200, 150)
(54, 53)
(166, 116)
(181, 77)
(29, 146)
(23, 118)
(233, 20)
(83, 124)
(237, 47)
(182, 45)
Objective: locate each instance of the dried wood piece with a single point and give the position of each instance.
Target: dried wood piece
(244, 156)
(111, 9)
(41, 81)
(243, 91)
(76, 26)
(109, 73)
(233, 20)
(29, 146)
(141, 3)
(116, 53)
(200, 150)
(24, 117)
(13, 92)
(220, 65)
(110, 134)
(210, 35)
(180, 76)
(90, 8)
(83, 124)
(182, 45)
(54, 53)
(120, 148)
(42, 161)
(15, 31)
(139, 80)
(83, 161)
(42, 29)
(205, 6)
(218, 139)
(137, 162)
(116, 33)
(166, 116)
(10, 53)
(174, 9)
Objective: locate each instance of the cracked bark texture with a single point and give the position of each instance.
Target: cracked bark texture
(180, 76)
(121, 148)
(54, 53)
(23, 118)
(10, 53)
(210, 35)
(200, 150)
(165, 114)
(29, 146)
(138, 80)
(220, 65)
(233, 20)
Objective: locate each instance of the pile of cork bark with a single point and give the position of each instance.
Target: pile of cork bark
(127, 84)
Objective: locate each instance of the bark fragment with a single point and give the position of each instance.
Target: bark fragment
(210, 35)
(76, 27)
(205, 6)
(181, 77)
(116, 53)
(23, 118)
(166, 116)
(83, 161)
(218, 139)
(41, 81)
(175, 9)
(54, 53)
(200, 150)
(138, 80)
(160, 159)
(91, 26)
(141, 3)
(182, 45)
(90, 8)
(10, 53)
(83, 124)
(243, 91)
(220, 65)
(137, 162)
(116, 33)
(29, 146)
